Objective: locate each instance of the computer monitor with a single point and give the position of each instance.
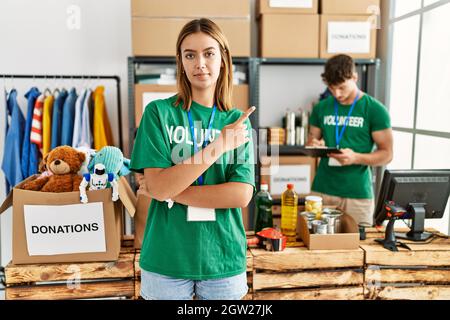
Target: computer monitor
(415, 195)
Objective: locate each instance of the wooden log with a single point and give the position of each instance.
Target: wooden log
(88, 290)
(137, 289)
(122, 268)
(249, 261)
(302, 258)
(409, 293)
(288, 280)
(425, 255)
(374, 275)
(348, 293)
(248, 297)
(137, 268)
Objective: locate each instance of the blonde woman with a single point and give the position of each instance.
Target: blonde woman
(194, 243)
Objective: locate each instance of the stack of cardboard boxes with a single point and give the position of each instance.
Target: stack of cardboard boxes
(288, 29)
(156, 24)
(294, 28)
(350, 27)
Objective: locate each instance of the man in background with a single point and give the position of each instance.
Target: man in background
(360, 126)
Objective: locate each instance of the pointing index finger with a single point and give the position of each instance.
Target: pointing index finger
(246, 115)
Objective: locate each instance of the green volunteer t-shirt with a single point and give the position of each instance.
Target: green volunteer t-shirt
(369, 115)
(172, 246)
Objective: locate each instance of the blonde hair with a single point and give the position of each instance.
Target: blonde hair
(224, 86)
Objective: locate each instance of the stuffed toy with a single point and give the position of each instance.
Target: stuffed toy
(63, 164)
(105, 167)
(113, 160)
(98, 181)
(89, 154)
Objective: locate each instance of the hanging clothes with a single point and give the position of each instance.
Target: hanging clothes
(30, 154)
(36, 125)
(68, 117)
(76, 138)
(12, 151)
(91, 112)
(57, 118)
(86, 134)
(47, 124)
(101, 126)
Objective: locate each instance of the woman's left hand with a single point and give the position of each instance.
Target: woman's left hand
(347, 157)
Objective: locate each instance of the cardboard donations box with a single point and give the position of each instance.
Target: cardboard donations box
(347, 239)
(278, 172)
(287, 6)
(354, 35)
(370, 7)
(289, 36)
(56, 227)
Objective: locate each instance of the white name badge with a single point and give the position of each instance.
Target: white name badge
(332, 162)
(200, 214)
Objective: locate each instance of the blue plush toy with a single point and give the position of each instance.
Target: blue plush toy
(113, 160)
(105, 167)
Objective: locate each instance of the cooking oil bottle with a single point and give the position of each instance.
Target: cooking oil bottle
(289, 202)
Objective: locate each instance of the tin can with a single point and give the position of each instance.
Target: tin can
(320, 227)
(290, 129)
(310, 217)
(300, 136)
(333, 218)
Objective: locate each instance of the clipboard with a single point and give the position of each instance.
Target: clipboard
(318, 152)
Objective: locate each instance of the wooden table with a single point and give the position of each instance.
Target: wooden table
(420, 274)
(58, 281)
(301, 274)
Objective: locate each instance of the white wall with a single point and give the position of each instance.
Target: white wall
(42, 37)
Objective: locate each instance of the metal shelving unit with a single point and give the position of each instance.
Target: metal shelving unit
(369, 75)
(369, 79)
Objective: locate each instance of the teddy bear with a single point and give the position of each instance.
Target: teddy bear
(63, 163)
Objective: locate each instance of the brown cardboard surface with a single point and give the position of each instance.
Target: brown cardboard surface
(350, 7)
(324, 19)
(263, 7)
(112, 220)
(147, 42)
(127, 196)
(190, 8)
(140, 89)
(288, 160)
(349, 239)
(289, 36)
(240, 96)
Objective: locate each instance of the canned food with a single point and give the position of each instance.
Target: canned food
(314, 204)
(320, 227)
(310, 217)
(333, 218)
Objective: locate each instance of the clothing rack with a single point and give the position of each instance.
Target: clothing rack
(57, 77)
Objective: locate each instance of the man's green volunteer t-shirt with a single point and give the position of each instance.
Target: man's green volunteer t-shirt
(369, 115)
(172, 246)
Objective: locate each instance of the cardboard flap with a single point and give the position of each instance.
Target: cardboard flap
(303, 230)
(127, 196)
(7, 203)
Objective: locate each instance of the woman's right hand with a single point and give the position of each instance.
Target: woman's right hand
(236, 134)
